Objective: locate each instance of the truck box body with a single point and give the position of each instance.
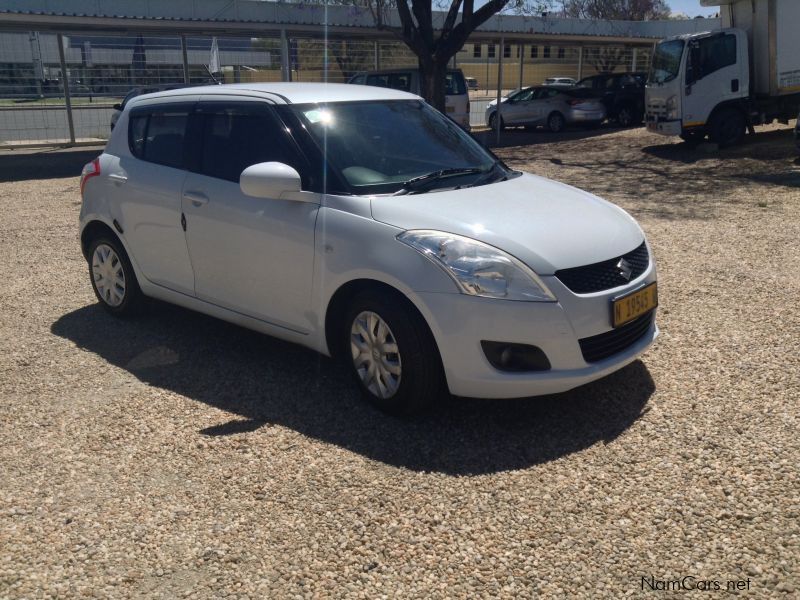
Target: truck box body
(772, 32)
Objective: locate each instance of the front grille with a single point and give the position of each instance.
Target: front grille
(607, 344)
(604, 275)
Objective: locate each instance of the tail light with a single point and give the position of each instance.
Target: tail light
(90, 170)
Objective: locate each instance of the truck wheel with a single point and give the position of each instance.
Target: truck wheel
(728, 127)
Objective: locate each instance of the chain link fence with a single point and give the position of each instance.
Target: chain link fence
(59, 89)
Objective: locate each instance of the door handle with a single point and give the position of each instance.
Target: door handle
(196, 198)
(734, 85)
(117, 178)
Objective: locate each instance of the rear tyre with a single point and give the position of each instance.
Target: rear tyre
(392, 354)
(493, 122)
(556, 122)
(113, 280)
(728, 127)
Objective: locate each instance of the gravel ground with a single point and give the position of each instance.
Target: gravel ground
(179, 456)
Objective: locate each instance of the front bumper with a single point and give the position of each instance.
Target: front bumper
(460, 322)
(660, 125)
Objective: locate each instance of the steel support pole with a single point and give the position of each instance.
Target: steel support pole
(633, 59)
(185, 54)
(377, 49)
(521, 48)
(580, 63)
(65, 85)
(499, 87)
(286, 72)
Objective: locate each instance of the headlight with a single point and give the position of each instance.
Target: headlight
(477, 268)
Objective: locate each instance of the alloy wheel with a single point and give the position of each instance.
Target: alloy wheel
(376, 356)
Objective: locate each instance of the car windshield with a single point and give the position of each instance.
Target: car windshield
(378, 146)
(666, 62)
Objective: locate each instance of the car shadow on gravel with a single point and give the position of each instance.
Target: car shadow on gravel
(522, 137)
(262, 381)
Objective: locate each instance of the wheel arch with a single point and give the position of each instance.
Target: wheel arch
(340, 301)
(728, 104)
(94, 229)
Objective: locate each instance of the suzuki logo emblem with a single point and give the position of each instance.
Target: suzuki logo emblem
(624, 268)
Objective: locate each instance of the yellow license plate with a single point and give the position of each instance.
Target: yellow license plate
(627, 308)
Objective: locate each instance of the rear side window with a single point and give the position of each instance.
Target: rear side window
(157, 135)
(235, 137)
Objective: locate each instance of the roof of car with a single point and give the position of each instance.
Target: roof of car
(290, 93)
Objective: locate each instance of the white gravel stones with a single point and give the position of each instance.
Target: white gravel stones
(174, 456)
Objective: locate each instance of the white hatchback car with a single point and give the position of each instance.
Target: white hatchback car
(362, 223)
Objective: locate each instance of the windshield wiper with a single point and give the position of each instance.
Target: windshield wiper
(417, 184)
(489, 174)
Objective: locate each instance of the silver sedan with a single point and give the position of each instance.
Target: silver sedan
(553, 107)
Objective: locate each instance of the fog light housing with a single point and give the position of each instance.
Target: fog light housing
(515, 358)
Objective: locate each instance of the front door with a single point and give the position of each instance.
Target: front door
(251, 255)
(712, 76)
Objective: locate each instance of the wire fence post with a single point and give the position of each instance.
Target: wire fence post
(499, 86)
(185, 54)
(580, 63)
(65, 85)
(377, 50)
(633, 59)
(286, 73)
(521, 50)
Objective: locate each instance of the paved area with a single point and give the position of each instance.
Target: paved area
(178, 456)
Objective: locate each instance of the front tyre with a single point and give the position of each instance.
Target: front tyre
(728, 127)
(113, 280)
(392, 354)
(493, 122)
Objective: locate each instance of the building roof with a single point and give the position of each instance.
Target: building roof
(290, 93)
(254, 15)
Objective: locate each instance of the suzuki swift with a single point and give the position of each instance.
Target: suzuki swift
(362, 223)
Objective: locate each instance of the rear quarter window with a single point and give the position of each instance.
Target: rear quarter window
(157, 135)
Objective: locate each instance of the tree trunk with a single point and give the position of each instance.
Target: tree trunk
(433, 74)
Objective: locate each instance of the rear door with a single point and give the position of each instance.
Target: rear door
(457, 98)
(148, 184)
(251, 255)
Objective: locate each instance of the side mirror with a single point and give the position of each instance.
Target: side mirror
(117, 106)
(269, 180)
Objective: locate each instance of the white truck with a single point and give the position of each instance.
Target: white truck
(720, 83)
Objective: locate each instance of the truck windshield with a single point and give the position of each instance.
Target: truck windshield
(378, 146)
(666, 62)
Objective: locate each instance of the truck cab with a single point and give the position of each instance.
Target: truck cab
(698, 84)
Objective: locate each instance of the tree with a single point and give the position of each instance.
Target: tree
(626, 10)
(434, 47)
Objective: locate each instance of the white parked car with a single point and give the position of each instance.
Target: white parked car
(362, 223)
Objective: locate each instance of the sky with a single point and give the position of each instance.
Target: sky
(692, 8)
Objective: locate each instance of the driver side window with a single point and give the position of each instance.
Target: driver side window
(712, 54)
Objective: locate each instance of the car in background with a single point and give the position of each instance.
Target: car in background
(510, 94)
(622, 94)
(472, 83)
(372, 228)
(408, 80)
(552, 106)
(565, 81)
